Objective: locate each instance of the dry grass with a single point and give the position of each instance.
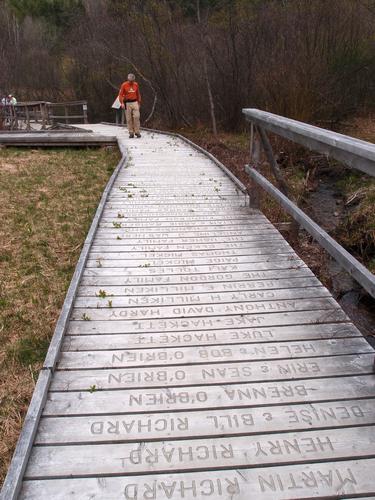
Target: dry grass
(48, 199)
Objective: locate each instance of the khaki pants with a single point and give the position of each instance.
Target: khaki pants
(132, 117)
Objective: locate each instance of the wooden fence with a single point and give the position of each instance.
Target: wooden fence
(39, 115)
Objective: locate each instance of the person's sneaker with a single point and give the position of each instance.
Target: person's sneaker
(138, 135)
(131, 136)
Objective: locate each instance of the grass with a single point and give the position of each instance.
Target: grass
(48, 199)
(357, 231)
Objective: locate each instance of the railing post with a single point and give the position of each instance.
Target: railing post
(42, 114)
(254, 192)
(27, 116)
(66, 114)
(84, 107)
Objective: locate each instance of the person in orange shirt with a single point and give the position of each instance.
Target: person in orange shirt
(130, 99)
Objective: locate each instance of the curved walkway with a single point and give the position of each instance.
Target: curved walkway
(202, 358)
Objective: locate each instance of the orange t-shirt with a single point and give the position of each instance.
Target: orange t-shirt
(129, 91)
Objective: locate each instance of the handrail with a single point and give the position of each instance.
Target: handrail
(359, 272)
(355, 153)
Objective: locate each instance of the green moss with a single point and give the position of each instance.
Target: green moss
(29, 350)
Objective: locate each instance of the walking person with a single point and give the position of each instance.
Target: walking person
(130, 99)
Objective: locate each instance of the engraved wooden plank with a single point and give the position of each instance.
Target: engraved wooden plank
(173, 398)
(188, 219)
(215, 309)
(210, 256)
(207, 323)
(106, 301)
(181, 202)
(198, 454)
(310, 480)
(259, 288)
(143, 239)
(240, 336)
(105, 262)
(119, 245)
(213, 193)
(180, 209)
(192, 424)
(196, 278)
(220, 373)
(124, 232)
(74, 360)
(179, 222)
(113, 226)
(293, 263)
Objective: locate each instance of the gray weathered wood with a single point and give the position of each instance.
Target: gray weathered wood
(160, 426)
(223, 373)
(205, 310)
(92, 359)
(355, 153)
(259, 288)
(202, 397)
(262, 449)
(197, 338)
(178, 324)
(310, 480)
(206, 298)
(348, 262)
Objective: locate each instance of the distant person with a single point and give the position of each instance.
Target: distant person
(130, 99)
(11, 101)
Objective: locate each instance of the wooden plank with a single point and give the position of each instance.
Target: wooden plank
(270, 274)
(202, 337)
(182, 209)
(202, 397)
(206, 323)
(293, 263)
(103, 261)
(194, 424)
(205, 298)
(114, 225)
(125, 232)
(118, 245)
(200, 454)
(117, 358)
(187, 219)
(223, 373)
(310, 480)
(199, 223)
(122, 240)
(213, 256)
(206, 310)
(185, 203)
(259, 288)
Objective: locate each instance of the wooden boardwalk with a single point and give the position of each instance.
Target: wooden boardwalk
(202, 358)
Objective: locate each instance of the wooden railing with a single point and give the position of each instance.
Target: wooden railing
(354, 153)
(42, 114)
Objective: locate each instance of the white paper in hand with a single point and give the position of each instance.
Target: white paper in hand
(116, 104)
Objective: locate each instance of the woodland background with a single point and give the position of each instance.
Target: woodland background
(198, 61)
